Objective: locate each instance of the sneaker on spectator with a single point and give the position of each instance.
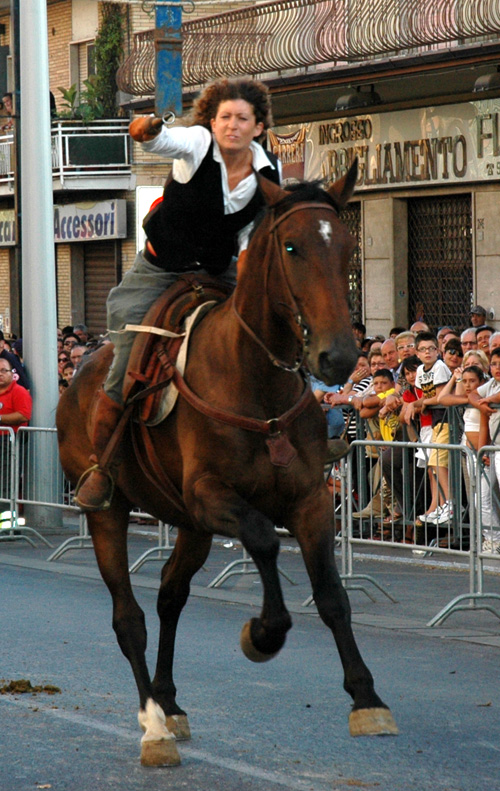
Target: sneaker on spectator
(430, 517)
(445, 513)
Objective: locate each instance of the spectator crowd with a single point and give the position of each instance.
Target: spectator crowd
(402, 387)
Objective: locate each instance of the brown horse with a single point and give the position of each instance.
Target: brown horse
(240, 480)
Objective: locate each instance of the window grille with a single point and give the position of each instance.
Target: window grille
(440, 260)
(351, 217)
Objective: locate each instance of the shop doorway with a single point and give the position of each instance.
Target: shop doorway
(102, 271)
(351, 217)
(440, 271)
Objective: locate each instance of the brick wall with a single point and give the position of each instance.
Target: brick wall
(59, 33)
(63, 270)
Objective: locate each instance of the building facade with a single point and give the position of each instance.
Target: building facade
(416, 103)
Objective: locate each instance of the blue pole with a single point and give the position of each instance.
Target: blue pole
(168, 46)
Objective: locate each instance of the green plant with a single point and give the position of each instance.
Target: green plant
(85, 105)
(108, 50)
(70, 96)
(98, 98)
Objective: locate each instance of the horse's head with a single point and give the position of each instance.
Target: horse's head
(307, 277)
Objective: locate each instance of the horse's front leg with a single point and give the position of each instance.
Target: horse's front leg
(190, 552)
(109, 535)
(221, 510)
(313, 525)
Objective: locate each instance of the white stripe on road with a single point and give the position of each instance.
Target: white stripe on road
(197, 755)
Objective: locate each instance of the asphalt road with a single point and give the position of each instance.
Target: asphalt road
(280, 725)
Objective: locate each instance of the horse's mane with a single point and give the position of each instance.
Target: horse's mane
(302, 191)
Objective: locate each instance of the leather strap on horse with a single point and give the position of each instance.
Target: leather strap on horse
(161, 481)
(281, 450)
(293, 307)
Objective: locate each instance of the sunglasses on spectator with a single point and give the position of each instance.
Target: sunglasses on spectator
(454, 352)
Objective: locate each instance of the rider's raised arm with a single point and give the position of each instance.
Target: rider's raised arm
(189, 144)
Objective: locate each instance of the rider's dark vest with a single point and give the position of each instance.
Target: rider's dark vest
(189, 224)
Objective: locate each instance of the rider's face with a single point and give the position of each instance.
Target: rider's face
(235, 126)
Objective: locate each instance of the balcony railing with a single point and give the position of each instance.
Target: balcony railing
(289, 34)
(92, 149)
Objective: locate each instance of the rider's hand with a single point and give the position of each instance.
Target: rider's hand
(145, 128)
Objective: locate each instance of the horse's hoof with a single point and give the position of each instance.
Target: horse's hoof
(249, 649)
(160, 752)
(372, 722)
(178, 725)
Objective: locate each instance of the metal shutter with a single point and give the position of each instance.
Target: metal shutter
(101, 273)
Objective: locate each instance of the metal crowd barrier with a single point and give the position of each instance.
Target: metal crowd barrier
(12, 481)
(37, 479)
(375, 516)
(32, 475)
(486, 541)
(160, 552)
(245, 565)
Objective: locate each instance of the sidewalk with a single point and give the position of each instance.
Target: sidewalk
(420, 586)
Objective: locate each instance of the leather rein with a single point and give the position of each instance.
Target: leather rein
(281, 450)
(293, 308)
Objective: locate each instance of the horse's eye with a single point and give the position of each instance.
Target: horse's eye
(290, 248)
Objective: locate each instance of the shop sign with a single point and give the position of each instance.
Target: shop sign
(434, 145)
(87, 222)
(7, 228)
(76, 222)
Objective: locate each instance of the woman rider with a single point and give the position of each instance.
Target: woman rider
(209, 203)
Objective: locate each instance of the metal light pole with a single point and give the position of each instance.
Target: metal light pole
(38, 252)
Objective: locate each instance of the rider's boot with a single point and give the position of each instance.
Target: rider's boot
(95, 487)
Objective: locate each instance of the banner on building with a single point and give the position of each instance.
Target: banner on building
(76, 222)
(432, 145)
(87, 222)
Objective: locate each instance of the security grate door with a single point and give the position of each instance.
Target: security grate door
(101, 275)
(351, 217)
(440, 260)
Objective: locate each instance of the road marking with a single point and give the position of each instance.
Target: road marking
(241, 767)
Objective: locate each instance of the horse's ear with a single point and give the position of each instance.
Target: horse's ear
(343, 189)
(271, 192)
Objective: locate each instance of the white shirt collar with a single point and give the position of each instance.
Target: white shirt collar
(259, 157)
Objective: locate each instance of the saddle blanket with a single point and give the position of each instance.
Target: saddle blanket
(170, 393)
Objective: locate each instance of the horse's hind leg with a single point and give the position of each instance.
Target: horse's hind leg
(109, 535)
(190, 552)
(314, 529)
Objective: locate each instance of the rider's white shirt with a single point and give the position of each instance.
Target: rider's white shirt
(188, 146)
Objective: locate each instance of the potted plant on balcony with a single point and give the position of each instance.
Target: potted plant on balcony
(97, 100)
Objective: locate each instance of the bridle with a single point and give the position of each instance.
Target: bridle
(281, 450)
(291, 304)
